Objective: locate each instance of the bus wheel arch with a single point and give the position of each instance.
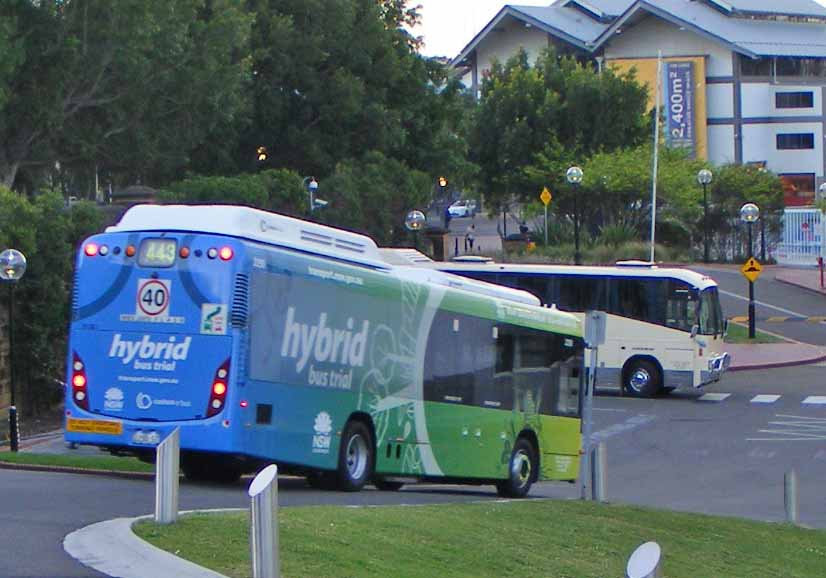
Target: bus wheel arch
(642, 376)
(356, 453)
(523, 467)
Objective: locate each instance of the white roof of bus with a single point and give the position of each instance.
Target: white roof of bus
(280, 230)
(253, 224)
(691, 277)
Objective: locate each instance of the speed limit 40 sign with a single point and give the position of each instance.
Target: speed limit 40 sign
(153, 298)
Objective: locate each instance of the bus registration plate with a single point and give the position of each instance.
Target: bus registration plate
(94, 426)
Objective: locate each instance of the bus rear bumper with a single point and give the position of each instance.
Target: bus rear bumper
(90, 429)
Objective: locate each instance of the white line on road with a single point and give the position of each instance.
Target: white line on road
(713, 397)
(627, 425)
(815, 400)
(762, 304)
(765, 398)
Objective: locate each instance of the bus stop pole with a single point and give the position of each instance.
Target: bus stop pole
(594, 334)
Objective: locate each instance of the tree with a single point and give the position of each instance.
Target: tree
(334, 79)
(47, 232)
(373, 195)
(535, 121)
(130, 87)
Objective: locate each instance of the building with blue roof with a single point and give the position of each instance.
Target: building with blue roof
(743, 80)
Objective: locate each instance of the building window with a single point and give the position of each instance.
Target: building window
(790, 66)
(798, 189)
(794, 99)
(795, 141)
(755, 67)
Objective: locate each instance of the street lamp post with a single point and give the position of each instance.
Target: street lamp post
(415, 222)
(749, 213)
(574, 177)
(12, 267)
(704, 178)
(311, 185)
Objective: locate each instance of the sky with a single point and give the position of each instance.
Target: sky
(449, 25)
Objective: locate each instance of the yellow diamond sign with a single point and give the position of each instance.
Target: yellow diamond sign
(751, 269)
(545, 197)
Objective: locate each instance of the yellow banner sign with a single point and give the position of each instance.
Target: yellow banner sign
(94, 426)
(751, 269)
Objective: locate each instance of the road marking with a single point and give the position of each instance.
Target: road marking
(626, 426)
(762, 304)
(713, 397)
(815, 400)
(765, 398)
(794, 428)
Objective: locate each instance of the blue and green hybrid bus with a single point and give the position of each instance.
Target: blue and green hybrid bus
(267, 339)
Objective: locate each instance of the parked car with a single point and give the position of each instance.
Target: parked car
(463, 208)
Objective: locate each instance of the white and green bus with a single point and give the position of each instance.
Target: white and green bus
(269, 339)
(664, 329)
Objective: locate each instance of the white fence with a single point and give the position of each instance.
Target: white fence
(804, 238)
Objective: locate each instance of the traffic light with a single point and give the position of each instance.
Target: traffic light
(442, 182)
(261, 154)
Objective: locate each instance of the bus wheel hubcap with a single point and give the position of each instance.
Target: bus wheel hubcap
(639, 379)
(521, 468)
(356, 457)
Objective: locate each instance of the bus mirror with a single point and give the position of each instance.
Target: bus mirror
(695, 329)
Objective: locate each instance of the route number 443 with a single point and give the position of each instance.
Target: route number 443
(153, 297)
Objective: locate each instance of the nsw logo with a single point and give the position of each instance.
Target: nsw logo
(113, 399)
(323, 427)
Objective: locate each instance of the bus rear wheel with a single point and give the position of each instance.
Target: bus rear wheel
(355, 457)
(521, 471)
(641, 378)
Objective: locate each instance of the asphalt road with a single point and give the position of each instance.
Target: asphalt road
(679, 452)
(772, 298)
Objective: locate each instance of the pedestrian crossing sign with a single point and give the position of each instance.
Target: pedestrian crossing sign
(751, 269)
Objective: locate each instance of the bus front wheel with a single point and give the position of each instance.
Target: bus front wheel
(355, 457)
(641, 378)
(521, 471)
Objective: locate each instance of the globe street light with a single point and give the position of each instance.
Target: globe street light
(704, 178)
(12, 268)
(574, 177)
(749, 213)
(311, 184)
(415, 222)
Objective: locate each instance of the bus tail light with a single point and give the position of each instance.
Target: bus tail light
(218, 393)
(80, 393)
(90, 249)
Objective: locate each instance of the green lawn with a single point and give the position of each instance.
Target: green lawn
(110, 463)
(559, 539)
(738, 333)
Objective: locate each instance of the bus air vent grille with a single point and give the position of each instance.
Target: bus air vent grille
(240, 301)
(332, 241)
(75, 295)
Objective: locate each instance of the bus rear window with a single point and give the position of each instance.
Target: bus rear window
(157, 253)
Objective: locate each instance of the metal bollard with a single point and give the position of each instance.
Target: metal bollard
(645, 562)
(167, 466)
(790, 496)
(599, 463)
(264, 524)
(14, 429)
